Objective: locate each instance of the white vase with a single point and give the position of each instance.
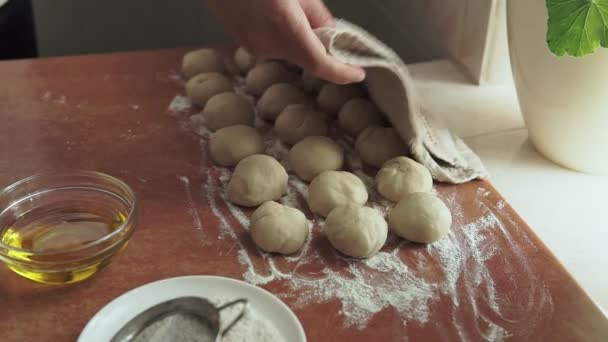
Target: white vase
(564, 100)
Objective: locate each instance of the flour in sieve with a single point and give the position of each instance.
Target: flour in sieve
(252, 327)
(176, 327)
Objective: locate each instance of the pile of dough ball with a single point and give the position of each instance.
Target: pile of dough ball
(302, 110)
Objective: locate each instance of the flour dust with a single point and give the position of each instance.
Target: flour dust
(410, 279)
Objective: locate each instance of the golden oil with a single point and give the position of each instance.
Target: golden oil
(58, 246)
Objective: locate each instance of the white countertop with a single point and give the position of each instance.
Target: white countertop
(566, 209)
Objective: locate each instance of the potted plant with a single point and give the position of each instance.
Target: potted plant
(561, 76)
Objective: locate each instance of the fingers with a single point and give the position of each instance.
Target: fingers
(317, 13)
(330, 69)
(286, 33)
(314, 58)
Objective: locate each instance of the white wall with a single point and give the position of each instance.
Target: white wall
(472, 33)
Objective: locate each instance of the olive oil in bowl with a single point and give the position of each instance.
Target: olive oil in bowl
(65, 234)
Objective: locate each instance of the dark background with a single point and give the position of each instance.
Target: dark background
(17, 33)
(73, 27)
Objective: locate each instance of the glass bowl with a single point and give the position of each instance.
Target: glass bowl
(62, 227)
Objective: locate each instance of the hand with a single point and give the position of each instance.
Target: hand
(283, 29)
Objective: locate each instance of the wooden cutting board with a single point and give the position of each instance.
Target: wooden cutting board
(492, 278)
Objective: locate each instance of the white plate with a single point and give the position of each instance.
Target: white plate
(106, 323)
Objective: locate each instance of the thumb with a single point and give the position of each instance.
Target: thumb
(314, 58)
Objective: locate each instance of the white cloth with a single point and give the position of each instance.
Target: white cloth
(391, 87)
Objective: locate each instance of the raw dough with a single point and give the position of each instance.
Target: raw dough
(358, 114)
(228, 109)
(230, 145)
(244, 60)
(297, 122)
(420, 217)
(333, 96)
(202, 87)
(333, 188)
(262, 76)
(401, 176)
(356, 231)
(278, 228)
(277, 97)
(378, 144)
(257, 179)
(200, 61)
(313, 155)
(311, 83)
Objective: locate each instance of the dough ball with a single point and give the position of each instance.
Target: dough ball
(420, 217)
(228, 109)
(262, 76)
(378, 144)
(257, 179)
(244, 60)
(229, 145)
(358, 114)
(202, 87)
(356, 231)
(401, 176)
(333, 96)
(200, 61)
(311, 83)
(313, 155)
(277, 97)
(333, 188)
(297, 122)
(278, 228)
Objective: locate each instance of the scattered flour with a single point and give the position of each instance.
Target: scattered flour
(179, 104)
(404, 277)
(192, 210)
(197, 123)
(175, 76)
(276, 149)
(46, 96)
(57, 99)
(365, 288)
(291, 198)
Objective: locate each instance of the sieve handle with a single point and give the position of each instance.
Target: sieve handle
(237, 318)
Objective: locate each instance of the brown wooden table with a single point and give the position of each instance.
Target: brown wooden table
(109, 113)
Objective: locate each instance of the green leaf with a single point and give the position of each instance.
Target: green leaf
(577, 27)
